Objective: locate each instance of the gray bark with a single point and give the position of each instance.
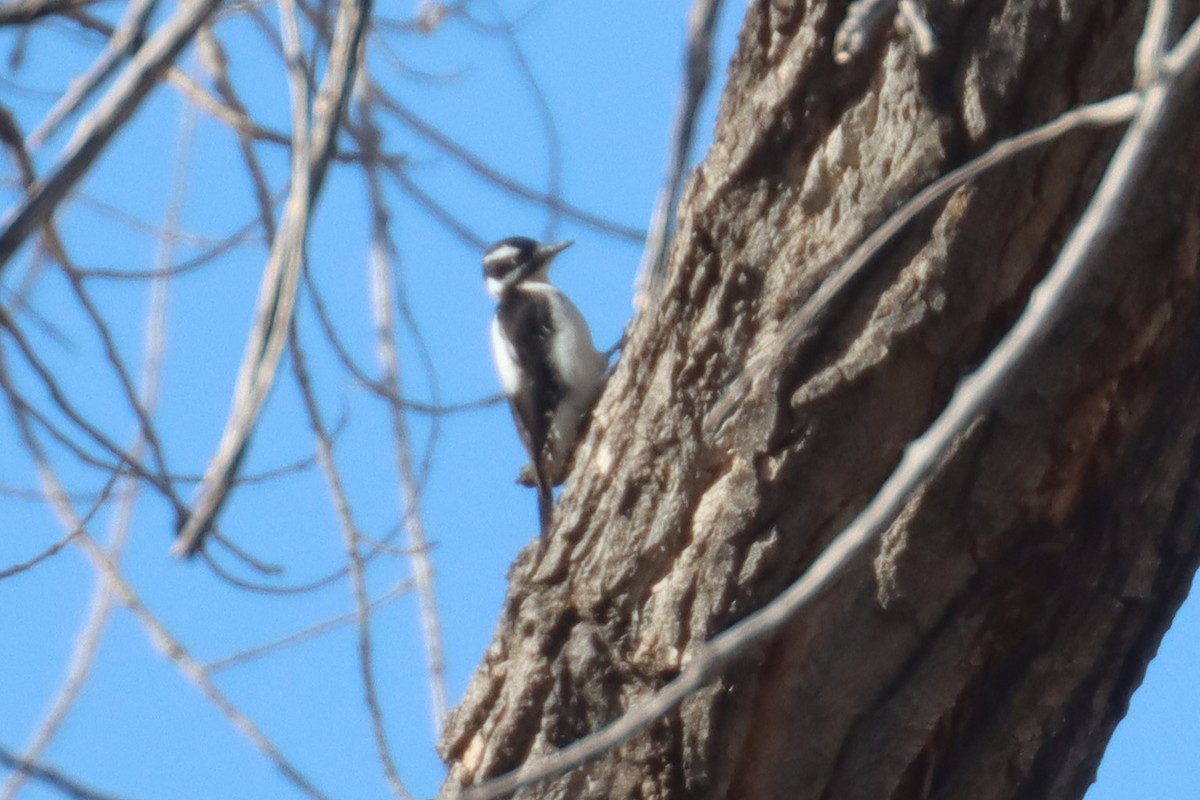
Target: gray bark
(988, 646)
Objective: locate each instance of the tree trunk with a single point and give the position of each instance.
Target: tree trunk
(988, 646)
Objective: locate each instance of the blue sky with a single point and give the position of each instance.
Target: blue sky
(609, 73)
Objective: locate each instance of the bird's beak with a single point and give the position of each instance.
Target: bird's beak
(547, 252)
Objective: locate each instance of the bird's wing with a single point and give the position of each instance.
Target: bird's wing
(527, 323)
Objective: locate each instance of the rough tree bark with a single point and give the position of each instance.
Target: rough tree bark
(989, 645)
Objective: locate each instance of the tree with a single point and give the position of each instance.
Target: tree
(824, 297)
(990, 642)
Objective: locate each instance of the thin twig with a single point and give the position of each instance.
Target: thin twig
(97, 503)
(554, 158)
(59, 436)
(87, 645)
(212, 55)
(241, 237)
(515, 188)
(383, 250)
(342, 353)
(152, 230)
(113, 356)
(697, 71)
(51, 777)
(18, 304)
(439, 212)
(60, 399)
(128, 36)
(237, 118)
(354, 567)
(98, 128)
(299, 637)
(376, 548)
(173, 649)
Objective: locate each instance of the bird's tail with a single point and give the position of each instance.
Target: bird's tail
(545, 505)
(545, 490)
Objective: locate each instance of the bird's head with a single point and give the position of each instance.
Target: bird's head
(511, 261)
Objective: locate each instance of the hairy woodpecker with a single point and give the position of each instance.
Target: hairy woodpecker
(548, 365)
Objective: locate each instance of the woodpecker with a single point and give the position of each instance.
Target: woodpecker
(547, 363)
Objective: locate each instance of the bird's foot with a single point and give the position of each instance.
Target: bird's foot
(527, 477)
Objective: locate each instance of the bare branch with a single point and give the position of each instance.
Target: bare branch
(98, 128)
(864, 18)
(128, 36)
(1150, 47)
(912, 21)
(20, 12)
(51, 777)
(281, 276)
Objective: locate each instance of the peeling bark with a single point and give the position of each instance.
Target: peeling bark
(991, 643)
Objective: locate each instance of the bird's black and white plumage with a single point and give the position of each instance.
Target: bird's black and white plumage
(548, 365)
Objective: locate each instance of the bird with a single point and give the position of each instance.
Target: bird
(548, 365)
